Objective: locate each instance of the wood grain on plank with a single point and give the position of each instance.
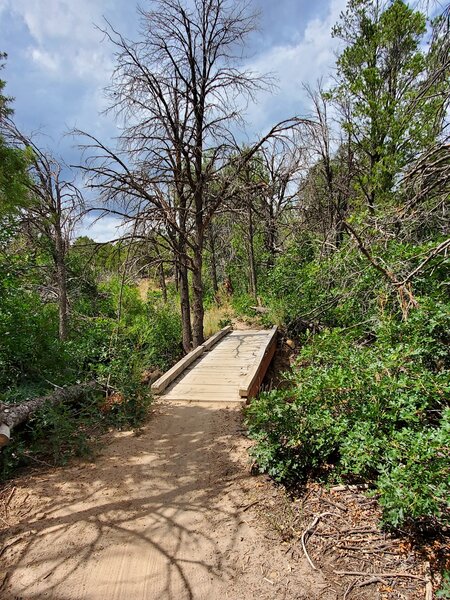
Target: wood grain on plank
(218, 375)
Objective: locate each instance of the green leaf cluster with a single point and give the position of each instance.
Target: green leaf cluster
(375, 413)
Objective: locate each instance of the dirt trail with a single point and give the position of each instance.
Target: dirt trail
(163, 515)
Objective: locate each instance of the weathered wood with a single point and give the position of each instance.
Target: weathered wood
(163, 382)
(5, 435)
(253, 380)
(260, 309)
(218, 375)
(216, 337)
(12, 415)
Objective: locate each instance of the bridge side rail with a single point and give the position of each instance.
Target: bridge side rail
(252, 382)
(160, 384)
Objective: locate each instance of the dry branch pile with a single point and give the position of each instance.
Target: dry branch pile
(338, 532)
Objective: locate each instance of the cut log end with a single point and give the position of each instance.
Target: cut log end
(5, 435)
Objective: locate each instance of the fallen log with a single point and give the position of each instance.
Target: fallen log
(260, 309)
(12, 415)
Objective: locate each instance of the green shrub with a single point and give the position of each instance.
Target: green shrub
(29, 347)
(376, 413)
(116, 354)
(158, 335)
(53, 435)
(242, 304)
(444, 591)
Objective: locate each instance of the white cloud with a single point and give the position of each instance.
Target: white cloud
(45, 60)
(102, 229)
(310, 59)
(65, 40)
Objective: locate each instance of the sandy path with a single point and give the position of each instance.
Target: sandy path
(160, 515)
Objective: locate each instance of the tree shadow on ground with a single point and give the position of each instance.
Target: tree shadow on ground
(152, 518)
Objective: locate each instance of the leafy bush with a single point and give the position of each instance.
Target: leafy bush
(375, 413)
(342, 289)
(159, 335)
(56, 433)
(242, 305)
(444, 591)
(30, 348)
(53, 435)
(147, 336)
(320, 289)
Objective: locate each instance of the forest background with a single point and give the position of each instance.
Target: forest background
(333, 225)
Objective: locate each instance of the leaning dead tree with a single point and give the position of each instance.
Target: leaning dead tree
(12, 415)
(54, 207)
(178, 93)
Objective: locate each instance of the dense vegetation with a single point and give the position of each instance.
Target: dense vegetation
(115, 347)
(368, 397)
(334, 226)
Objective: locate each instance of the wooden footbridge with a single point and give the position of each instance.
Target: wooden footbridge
(229, 367)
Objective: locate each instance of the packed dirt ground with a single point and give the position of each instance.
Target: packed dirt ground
(173, 512)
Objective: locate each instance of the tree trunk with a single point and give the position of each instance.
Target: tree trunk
(212, 248)
(176, 273)
(251, 255)
(162, 281)
(61, 278)
(270, 236)
(197, 288)
(340, 216)
(344, 197)
(161, 274)
(14, 414)
(185, 304)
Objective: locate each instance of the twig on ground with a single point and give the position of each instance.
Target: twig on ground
(39, 461)
(247, 506)
(309, 530)
(429, 583)
(368, 550)
(384, 575)
(371, 581)
(361, 584)
(349, 589)
(10, 496)
(351, 488)
(335, 504)
(358, 530)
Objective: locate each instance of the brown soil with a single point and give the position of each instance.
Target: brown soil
(342, 536)
(161, 515)
(172, 512)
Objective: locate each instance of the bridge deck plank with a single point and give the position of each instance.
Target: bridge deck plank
(219, 374)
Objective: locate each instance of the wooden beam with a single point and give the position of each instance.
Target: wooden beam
(216, 337)
(160, 384)
(253, 380)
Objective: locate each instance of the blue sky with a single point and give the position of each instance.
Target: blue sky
(58, 64)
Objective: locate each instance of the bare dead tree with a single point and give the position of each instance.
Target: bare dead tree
(326, 190)
(180, 87)
(132, 193)
(54, 208)
(179, 92)
(282, 162)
